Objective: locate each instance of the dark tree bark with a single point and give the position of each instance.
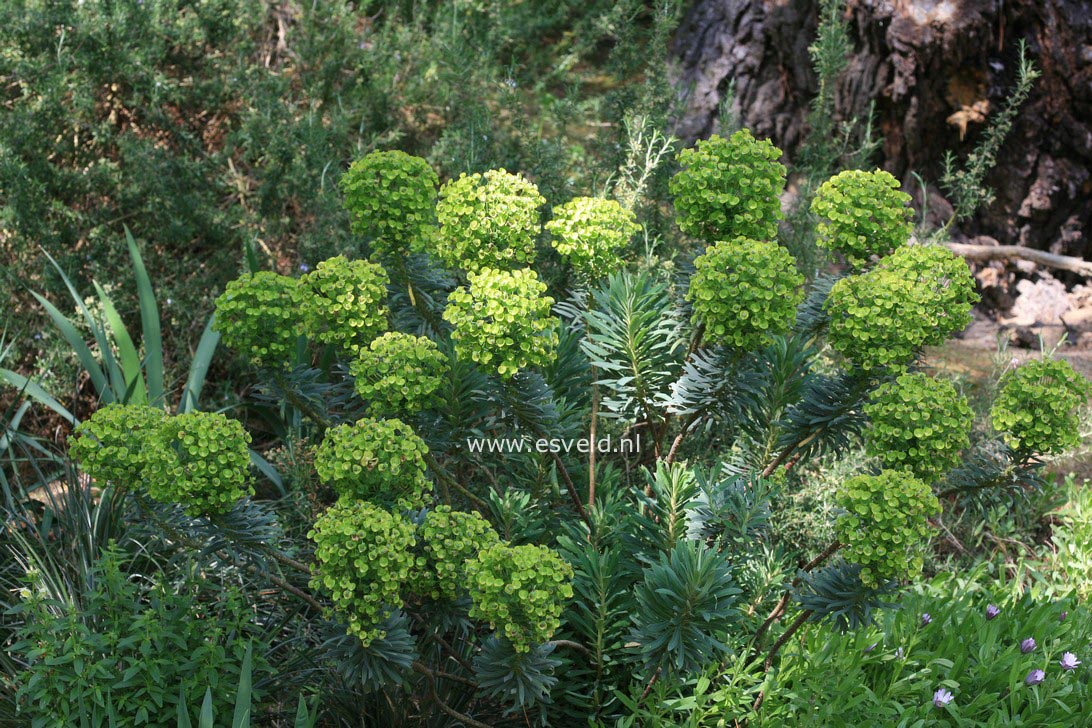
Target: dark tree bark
(931, 67)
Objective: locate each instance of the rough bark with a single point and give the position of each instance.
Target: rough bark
(930, 66)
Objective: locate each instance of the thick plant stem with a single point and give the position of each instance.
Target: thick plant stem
(571, 487)
(783, 602)
(796, 625)
(786, 453)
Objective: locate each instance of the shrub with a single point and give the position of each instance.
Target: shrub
(520, 591)
(745, 291)
(503, 321)
(918, 423)
(885, 525)
(398, 373)
(862, 215)
(381, 460)
(1037, 407)
(590, 233)
(112, 445)
(362, 557)
(488, 220)
(391, 198)
(343, 303)
(258, 315)
(200, 460)
(729, 188)
(450, 539)
(945, 286)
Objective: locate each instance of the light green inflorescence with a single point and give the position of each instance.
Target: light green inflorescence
(399, 373)
(503, 321)
(374, 460)
(391, 198)
(918, 423)
(745, 291)
(111, 445)
(1038, 406)
(590, 233)
(886, 524)
(729, 188)
(488, 220)
(344, 303)
(520, 591)
(862, 214)
(450, 538)
(258, 316)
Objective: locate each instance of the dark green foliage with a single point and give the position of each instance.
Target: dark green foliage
(836, 593)
(518, 679)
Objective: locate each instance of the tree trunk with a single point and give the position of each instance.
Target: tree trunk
(931, 67)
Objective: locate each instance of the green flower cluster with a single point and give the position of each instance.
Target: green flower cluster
(745, 291)
(391, 198)
(885, 524)
(1037, 407)
(399, 373)
(520, 591)
(862, 214)
(503, 320)
(363, 555)
(488, 221)
(729, 188)
(344, 302)
(590, 232)
(944, 284)
(257, 315)
(380, 460)
(450, 538)
(918, 423)
(200, 460)
(111, 445)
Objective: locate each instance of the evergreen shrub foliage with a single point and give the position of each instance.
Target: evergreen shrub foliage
(344, 303)
(450, 538)
(374, 460)
(111, 446)
(257, 315)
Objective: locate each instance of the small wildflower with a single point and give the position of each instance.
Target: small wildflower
(992, 610)
(899, 654)
(942, 697)
(926, 619)
(1062, 616)
(1034, 677)
(870, 647)
(1027, 645)
(304, 268)
(1069, 661)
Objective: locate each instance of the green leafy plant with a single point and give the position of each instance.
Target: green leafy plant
(945, 286)
(391, 198)
(373, 459)
(1037, 405)
(398, 373)
(729, 188)
(590, 233)
(258, 314)
(450, 538)
(862, 215)
(343, 303)
(112, 445)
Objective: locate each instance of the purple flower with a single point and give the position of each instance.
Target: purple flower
(1062, 616)
(926, 619)
(871, 647)
(1034, 677)
(992, 610)
(942, 697)
(1027, 645)
(304, 267)
(1069, 661)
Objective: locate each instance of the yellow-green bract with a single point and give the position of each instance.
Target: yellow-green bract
(391, 197)
(745, 291)
(729, 188)
(590, 232)
(488, 220)
(398, 373)
(344, 303)
(520, 591)
(257, 315)
(1037, 407)
(381, 460)
(503, 320)
(450, 538)
(918, 423)
(885, 526)
(111, 445)
(363, 555)
(862, 214)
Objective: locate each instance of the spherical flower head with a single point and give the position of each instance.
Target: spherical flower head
(992, 610)
(488, 220)
(918, 423)
(1069, 661)
(745, 292)
(200, 460)
(862, 215)
(885, 524)
(926, 619)
(1027, 645)
(374, 460)
(344, 303)
(520, 590)
(111, 445)
(398, 373)
(258, 314)
(943, 284)
(1037, 407)
(590, 233)
(942, 697)
(363, 556)
(450, 538)
(729, 188)
(1034, 677)
(502, 321)
(391, 198)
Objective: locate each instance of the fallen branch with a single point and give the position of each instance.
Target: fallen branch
(1005, 252)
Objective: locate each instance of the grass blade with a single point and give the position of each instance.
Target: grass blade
(183, 710)
(149, 319)
(127, 351)
(266, 468)
(206, 719)
(36, 392)
(241, 719)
